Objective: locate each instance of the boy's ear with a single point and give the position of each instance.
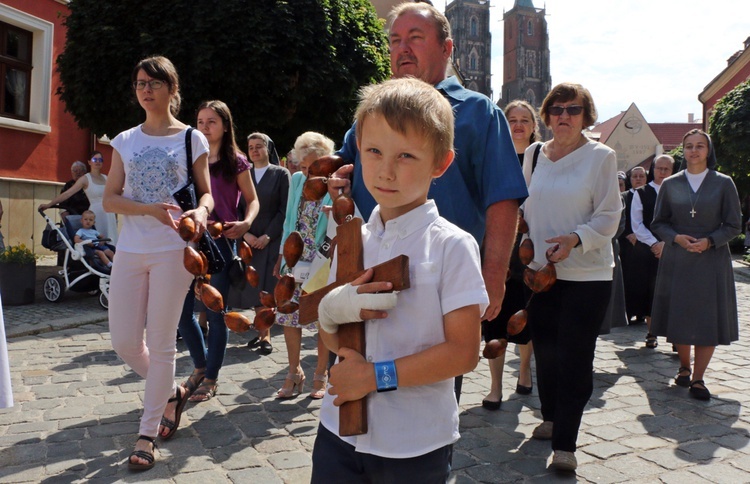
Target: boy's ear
(444, 164)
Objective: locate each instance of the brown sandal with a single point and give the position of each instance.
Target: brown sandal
(143, 454)
(181, 400)
(194, 380)
(205, 392)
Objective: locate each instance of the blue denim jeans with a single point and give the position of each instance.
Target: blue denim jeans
(208, 354)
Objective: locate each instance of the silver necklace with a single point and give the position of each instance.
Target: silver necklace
(690, 196)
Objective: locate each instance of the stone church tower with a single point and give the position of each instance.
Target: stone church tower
(470, 23)
(525, 55)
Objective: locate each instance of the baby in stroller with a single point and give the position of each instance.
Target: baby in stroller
(105, 252)
(83, 268)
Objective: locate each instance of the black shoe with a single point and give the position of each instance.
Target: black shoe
(253, 342)
(265, 348)
(651, 341)
(523, 390)
(490, 405)
(683, 380)
(699, 393)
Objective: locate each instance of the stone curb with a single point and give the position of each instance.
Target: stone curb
(55, 325)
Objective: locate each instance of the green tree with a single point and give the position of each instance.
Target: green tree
(283, 67)
(679, 158)
(730, 132)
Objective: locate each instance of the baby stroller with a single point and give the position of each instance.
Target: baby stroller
(82, 270)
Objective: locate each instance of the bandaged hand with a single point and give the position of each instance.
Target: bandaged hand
(344, 305)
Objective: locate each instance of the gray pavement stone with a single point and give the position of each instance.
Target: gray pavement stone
(605, 450)
(204, 477)
(290, 460)
(237, 456)
(23, 473)
(683, 477)
(255, 474)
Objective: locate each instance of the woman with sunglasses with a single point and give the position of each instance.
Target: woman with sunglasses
(573, 211)
(149, 281)
(92, 185)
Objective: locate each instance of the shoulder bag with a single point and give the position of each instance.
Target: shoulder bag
(187, 200)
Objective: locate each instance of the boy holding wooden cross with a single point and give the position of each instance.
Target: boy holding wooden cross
(418, 340)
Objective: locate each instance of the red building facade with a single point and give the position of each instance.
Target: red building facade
(38, 139)
(736, 72)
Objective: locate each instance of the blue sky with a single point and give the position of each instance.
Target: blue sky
(659, 54)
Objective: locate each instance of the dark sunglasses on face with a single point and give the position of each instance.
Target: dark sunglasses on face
(571, 110)
(97, 160)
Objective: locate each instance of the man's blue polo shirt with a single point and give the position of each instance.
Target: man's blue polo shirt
(485, 170)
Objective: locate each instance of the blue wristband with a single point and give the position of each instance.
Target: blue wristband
(385, 376)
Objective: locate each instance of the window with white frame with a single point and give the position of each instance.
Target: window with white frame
(25, 71)
(15, 71)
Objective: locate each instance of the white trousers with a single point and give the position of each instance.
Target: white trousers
(146, 292)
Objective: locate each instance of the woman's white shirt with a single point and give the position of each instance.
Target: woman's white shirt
(155, 168)
(577, 193)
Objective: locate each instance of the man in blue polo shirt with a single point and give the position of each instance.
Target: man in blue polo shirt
(482, 189)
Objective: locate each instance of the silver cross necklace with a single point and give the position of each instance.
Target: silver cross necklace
(692, 203)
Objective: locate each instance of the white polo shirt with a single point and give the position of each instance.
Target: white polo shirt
(445, 275)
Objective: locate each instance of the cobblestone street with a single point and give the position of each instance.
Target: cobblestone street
(77, 410)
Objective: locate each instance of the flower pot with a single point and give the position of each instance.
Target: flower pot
(17, 283)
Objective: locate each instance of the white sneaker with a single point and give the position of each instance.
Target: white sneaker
(564, 461)
(543, 431)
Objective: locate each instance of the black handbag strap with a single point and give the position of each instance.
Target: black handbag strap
(535, 159)
(189, 154)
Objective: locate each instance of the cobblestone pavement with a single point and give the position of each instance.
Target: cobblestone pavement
(77, 410)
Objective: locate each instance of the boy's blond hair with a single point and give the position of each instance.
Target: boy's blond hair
(88, 211)
(410, 106)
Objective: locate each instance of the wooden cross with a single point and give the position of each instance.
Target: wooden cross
(353, 414)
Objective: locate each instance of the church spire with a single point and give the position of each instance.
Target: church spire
(524, 3)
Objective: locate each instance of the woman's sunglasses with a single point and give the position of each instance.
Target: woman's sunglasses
(558, 110)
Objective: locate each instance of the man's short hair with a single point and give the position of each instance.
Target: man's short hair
(442, 25)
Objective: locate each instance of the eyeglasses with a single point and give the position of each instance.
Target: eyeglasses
(154, 85)
(97, 160)
(571, 110)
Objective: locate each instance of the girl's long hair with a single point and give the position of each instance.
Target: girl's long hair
(227, 164)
